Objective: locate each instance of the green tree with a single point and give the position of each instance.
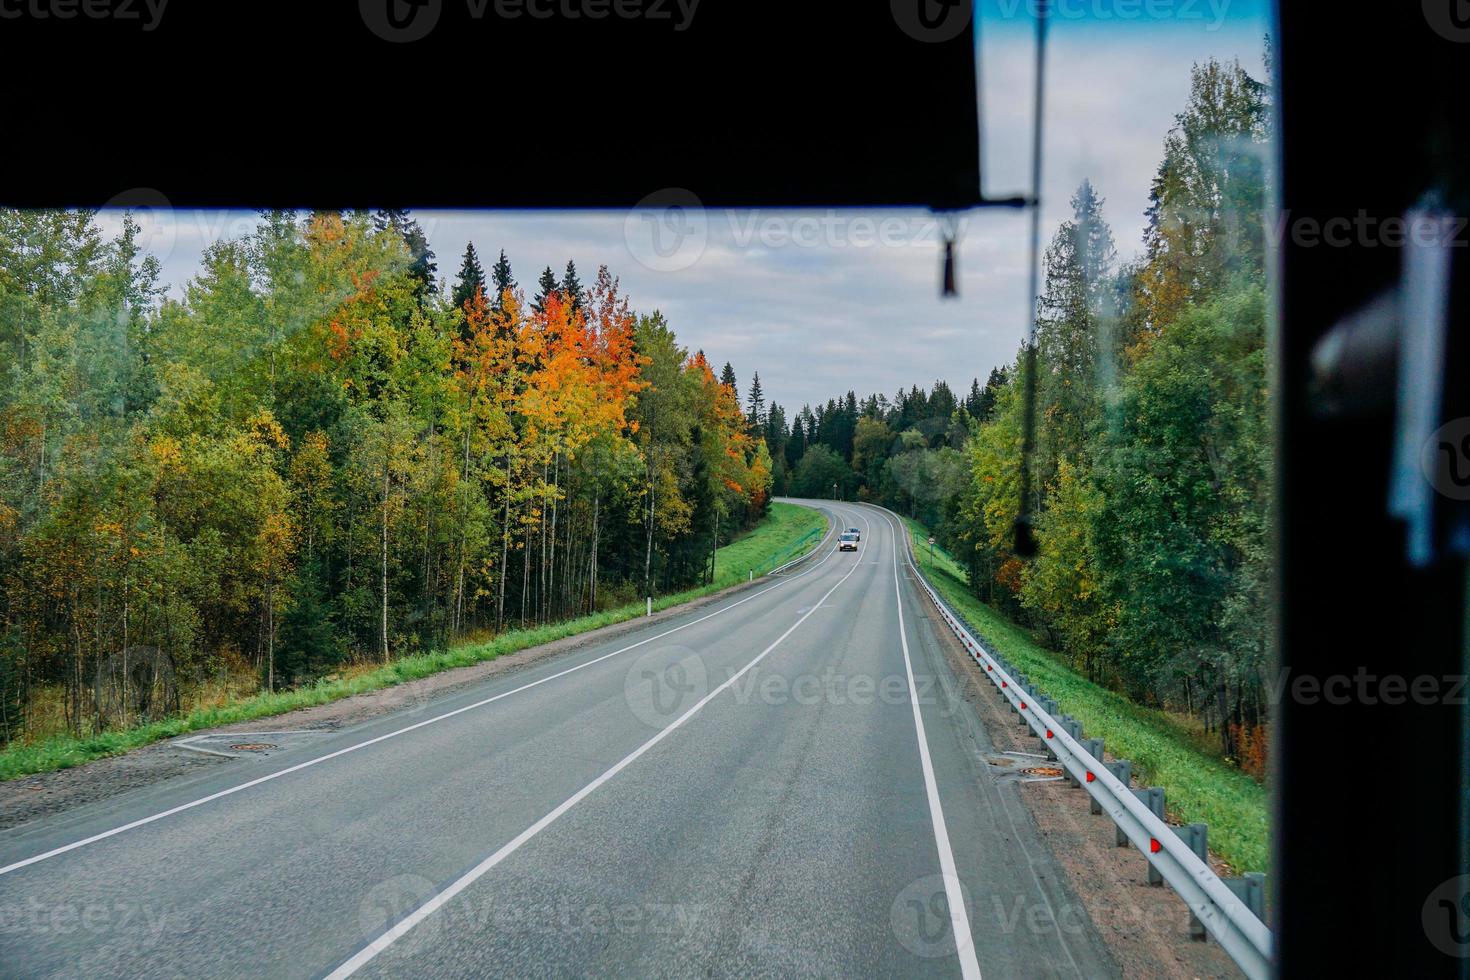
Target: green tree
(572, 286)
(755, 404)
(421, 265)
(546, 285)
(1062, 584)
(502, 281)
(1078, 267)
(471, 278)
(1206, 213)
(1181, 536)
(819, 472)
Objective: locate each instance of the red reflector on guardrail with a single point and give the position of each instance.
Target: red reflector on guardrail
(1090, 777)
(1154, 846)
(1048, 733)
(1023, 705)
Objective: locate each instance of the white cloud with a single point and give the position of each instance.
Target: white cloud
(818, 321)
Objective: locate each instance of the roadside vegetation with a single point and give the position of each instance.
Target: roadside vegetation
(320, 456)
(1200, 786)
(1150, 470)
(789, 532)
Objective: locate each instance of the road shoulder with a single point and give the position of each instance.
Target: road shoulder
(30, 798)
(1144, 928)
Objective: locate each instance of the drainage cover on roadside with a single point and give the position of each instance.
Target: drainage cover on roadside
(249, 745)
(1043, 772)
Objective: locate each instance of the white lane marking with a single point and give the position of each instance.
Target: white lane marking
(959, 918)
(16, 866)
(367, 953)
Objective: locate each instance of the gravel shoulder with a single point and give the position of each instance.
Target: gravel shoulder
(1144, 927)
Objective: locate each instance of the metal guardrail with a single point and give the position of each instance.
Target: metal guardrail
(1211, 902)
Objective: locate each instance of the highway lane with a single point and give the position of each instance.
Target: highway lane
(743, 795)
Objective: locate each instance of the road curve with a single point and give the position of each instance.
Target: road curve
(785, 782)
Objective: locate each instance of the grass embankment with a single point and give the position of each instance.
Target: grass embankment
(1199, 787)
(786, 533)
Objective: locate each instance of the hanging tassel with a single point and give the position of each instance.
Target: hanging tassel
(950, 289)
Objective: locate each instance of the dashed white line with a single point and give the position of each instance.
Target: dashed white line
(369, 952)
(143, 821)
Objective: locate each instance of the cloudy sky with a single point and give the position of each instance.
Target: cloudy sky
(823, 302)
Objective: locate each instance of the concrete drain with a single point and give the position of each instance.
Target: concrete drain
(252, 746)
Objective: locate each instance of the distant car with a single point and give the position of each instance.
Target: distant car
(848, 542)
(856, 534)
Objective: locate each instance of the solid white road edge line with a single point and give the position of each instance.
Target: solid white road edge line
(959, 918)
(142, 821)
(367, 953)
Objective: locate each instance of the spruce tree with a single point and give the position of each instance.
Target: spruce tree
(755, 412)
(1069, 313)
(572, 286)
(471, 277)
(727, 378)
(548, 285)
(501, 279)
(421, 258)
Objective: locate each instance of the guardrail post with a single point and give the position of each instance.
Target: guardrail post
(1050, 707)
(1245, 937)
(1122, 770)
(1094, 747)
(1153, 798)
(1072, 727)
(1251, 890)
(1196, 835)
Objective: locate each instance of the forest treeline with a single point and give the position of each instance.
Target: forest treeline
(1151, 470)
(321, 454)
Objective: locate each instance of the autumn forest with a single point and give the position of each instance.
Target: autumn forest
(321, 455)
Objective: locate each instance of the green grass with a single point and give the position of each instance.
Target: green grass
(788, 531)
(1198, 787)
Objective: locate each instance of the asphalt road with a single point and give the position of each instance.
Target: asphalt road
(781, 783)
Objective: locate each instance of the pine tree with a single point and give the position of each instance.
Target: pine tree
(548, 285)
(982, 400)
(755, 405)
(471, 277)
(572, 286)
(727, 378)
(975, 400)
(1096, 253)
(775, 433)
(502, 280)
(1069, 313)
(422, 266)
